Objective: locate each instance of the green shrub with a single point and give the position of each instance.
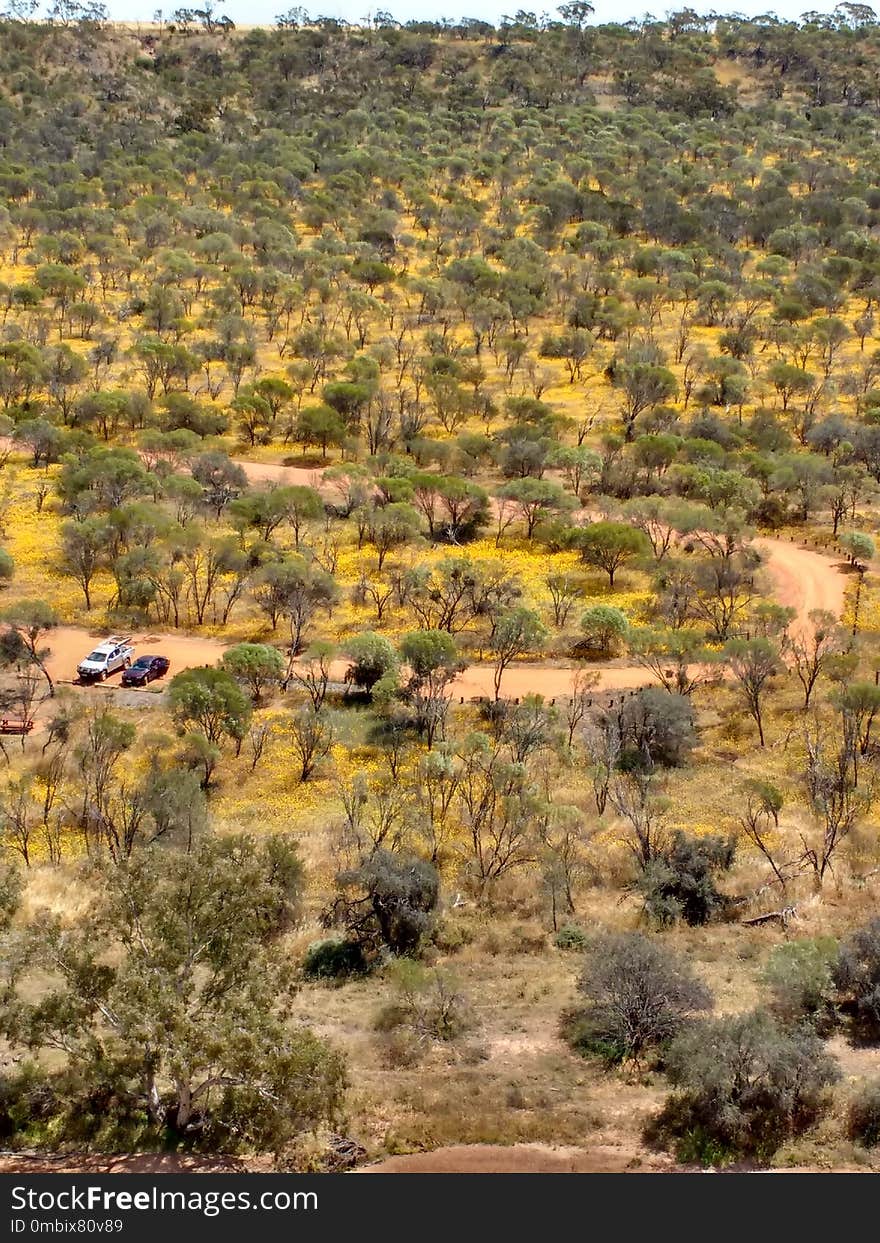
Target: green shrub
(857, 976)
(799, 977)
(864, 1115)
(745, 1085)
(450, 935)
(639, 996)
(680, 883)
(426, 1003)
(334, 959)
(400, 891)
(570, 937)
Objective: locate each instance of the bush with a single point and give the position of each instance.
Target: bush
(605, 628)
(864, 1116)
(372, 658)
(656, 727)
(334, 959)
(390, 900)
(680, 883)
(799, 977)
(639, 995)
(427, 1004)
(451, 935)
(745, 1085)
(570, 937)
(857, 977)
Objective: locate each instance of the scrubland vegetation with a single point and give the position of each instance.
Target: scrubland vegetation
(486, 425)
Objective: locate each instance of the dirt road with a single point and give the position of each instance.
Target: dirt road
(274, 472)
(71, 643)
(802, 579)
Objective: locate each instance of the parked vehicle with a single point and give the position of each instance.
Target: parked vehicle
(145, 669)
(114, 653)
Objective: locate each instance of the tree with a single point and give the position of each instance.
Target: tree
(579, 465)
(610, 545)
(254, 665)
(744, 1085)
(221, 478)
(294, 589)
(679, 659)
(836, 798)
(813, 649)
(753, 662)
(536, 500)
(268, 509)
(31, 621)
(604, 628)
(312, 736)
(639, 996)
(655, 727)
(186, 1018)
(319, 425)
(391, 526)
(433, 660)
(500, 811)
(789, 381)
(565, 590)
(62, 284)
(762, 807)
(643, 385)
(211, 702)
(372, 658)
(859, 547)
(679, 882)
(390, 899)
(517, 631)
(83, 551)
(314, 672)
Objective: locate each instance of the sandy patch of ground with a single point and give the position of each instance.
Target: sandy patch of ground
(803, 580)
(519, 1159)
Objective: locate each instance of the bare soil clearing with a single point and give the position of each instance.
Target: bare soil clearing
(521, 1159)
(276, 472)
(71, 643)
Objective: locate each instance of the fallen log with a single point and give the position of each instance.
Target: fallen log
(783, 915)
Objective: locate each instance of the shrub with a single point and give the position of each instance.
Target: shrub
(334, 959)
(857, 977)
(256, 666)
(680, 883)
(372, 658)
(605, 628)
(570, 937)
(639, 995)
(656, 727)
(864, 1116)
(451, 935)
(427, 1004)
(390, 899)
(799, 977)
(745, 1085)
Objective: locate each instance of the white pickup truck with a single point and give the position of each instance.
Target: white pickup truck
(114, 653)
